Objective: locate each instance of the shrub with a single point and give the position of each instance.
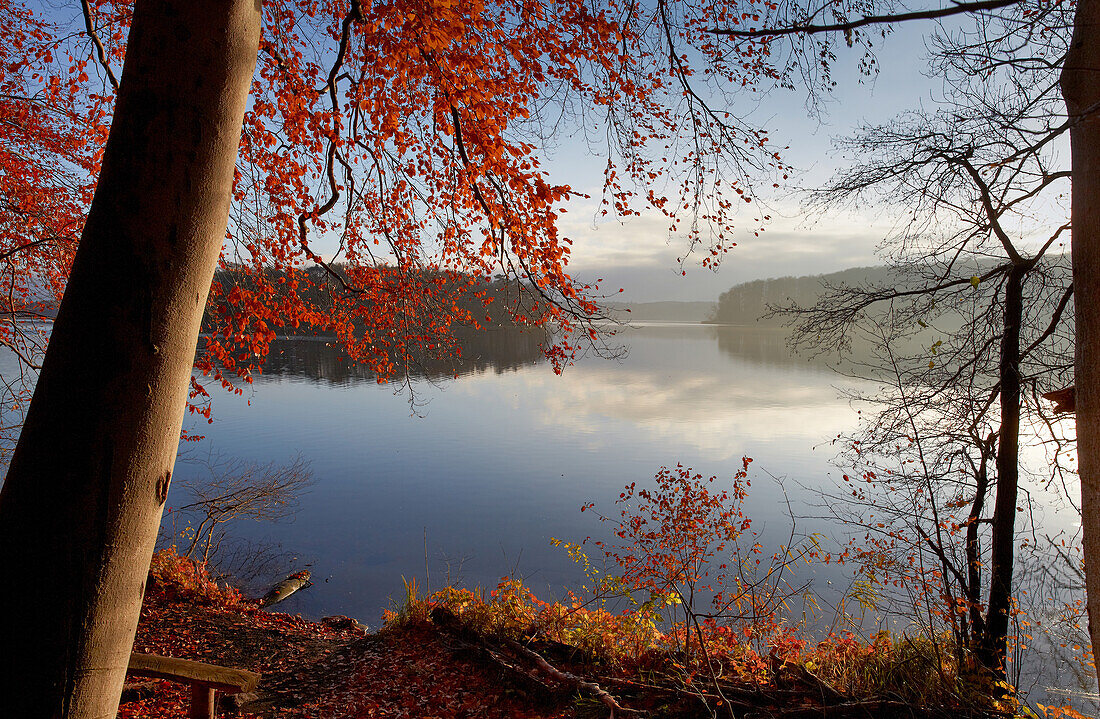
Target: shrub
(173, 578)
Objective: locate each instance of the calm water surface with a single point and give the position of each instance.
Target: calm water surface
(466, 479)
(478, 472)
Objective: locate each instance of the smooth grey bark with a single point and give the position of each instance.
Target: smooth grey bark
(82, 501)
(1081, 91)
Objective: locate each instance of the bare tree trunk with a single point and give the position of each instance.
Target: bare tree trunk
(994, 642)
(1081, 90)
(973, 545)
(81, 503)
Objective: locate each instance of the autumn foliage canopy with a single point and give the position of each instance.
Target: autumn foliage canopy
(394, 159)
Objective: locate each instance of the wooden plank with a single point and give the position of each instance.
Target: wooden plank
(224, 679)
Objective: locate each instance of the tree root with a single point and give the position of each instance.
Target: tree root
(578, 683)
(472, 644)
(446, 620)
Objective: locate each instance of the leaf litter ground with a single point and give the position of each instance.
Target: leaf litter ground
(314, 669)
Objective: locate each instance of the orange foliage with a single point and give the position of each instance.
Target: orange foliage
(173, 578)
(683, 543)
(512, 609)
(52, 126)
(1065, 712)
(409, 136)
(671, 534)
(751, 653)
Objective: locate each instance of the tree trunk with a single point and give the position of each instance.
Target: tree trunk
(994, 642)
(973, 545)
(1081, 90)
(82, 501)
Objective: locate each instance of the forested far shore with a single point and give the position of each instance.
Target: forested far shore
(759, 302)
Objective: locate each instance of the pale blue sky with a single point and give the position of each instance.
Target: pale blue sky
(640, 257)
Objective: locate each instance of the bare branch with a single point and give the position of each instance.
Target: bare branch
(807, 29)
(100, 51)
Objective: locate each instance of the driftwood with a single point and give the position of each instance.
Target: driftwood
(282, 590)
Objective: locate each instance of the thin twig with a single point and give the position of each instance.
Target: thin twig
(90, 27)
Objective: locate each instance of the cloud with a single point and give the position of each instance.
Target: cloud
(716, 419)
(638, 254)
(634, 242)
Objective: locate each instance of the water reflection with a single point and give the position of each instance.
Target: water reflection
(472, 485)
(765, 346)
(499, 460)
(318, 359)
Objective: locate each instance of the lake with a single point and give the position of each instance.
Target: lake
(464, 473)
(478, 472)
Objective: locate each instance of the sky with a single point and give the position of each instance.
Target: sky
(640, 257)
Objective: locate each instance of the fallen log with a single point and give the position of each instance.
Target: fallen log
(472, 644)
(695, 694)
(792, 674)
(578, 683)
(445, 619)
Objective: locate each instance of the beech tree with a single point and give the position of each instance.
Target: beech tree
(82, 499)
(1081, 91)
(405, 133)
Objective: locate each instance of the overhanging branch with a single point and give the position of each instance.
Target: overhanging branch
(807, 29)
